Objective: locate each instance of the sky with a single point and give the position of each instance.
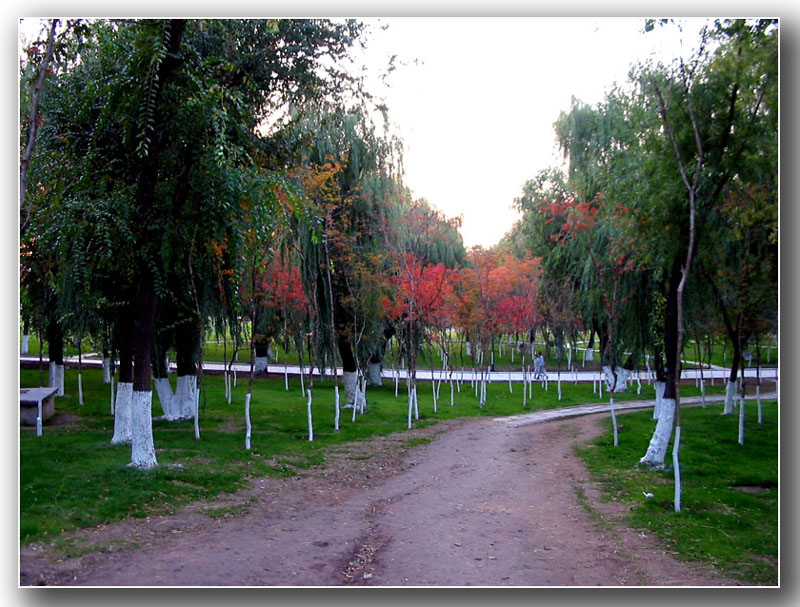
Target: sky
(475, 99)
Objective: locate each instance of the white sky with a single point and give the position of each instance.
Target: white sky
(476, 112)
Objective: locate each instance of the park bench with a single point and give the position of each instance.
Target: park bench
(29, 399)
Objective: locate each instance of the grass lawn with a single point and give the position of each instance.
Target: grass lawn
(729, 504)
(72, 476)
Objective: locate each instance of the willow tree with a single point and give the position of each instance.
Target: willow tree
(165, 125)
(742, 270)
(349, 175)
(602, 148)
(707, 112)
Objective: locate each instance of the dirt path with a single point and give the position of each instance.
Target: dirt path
(483, 504)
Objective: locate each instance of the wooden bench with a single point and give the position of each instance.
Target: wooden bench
(29, 404)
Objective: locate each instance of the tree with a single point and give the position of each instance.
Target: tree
(162, 123)
(709, 114)
(347, 175)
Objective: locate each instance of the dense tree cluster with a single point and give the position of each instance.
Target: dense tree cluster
(185, 175)
(665, 221)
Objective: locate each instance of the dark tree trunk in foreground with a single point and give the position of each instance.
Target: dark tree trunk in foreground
(142, 449)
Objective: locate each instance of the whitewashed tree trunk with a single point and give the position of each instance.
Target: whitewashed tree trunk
(80, 389)
(730, 398)
(351, 391)
(260, 364)
(337, 409)
(741, 420)
(302, 381)
(374, 374)
(56, 378)
(622, 378)
(410, 407)
(122, 413)
(112, 396)
(106, 370)
(143, 452)
(39, 418)
(758, 399)
(310, 418)
(524, 389)
(185, 397)
(60, 375)
(614, 421)
(25, 345)
(677, 468)
(166, 397)
(197, 414)
(530, 384)
(362, 396)
(247, 421)
(350, 383)
(589, 355)
(660, 387)
(659, 442)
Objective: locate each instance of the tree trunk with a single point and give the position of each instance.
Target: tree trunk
(616, 378)
(55, 352)
(590, 345)
(166, 396)
(660, 386)
(122, 400)
(143, 454)
(352, 393)
(142, 448)
(262, 355)
(106, 368)
(376, 360)
(186, 350)
(122, 413)
(659, 441)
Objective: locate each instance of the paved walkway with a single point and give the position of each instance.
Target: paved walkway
(464, 374)
(537, 417)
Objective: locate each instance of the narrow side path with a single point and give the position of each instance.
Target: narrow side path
(537, 417)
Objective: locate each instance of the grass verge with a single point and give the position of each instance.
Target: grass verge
(729, 513)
